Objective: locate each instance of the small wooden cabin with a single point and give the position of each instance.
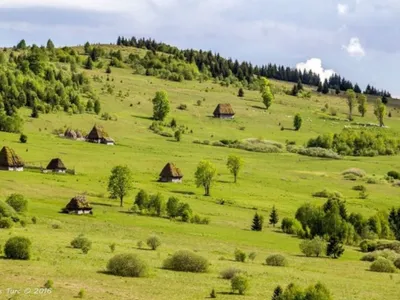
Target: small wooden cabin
(78, 205)
(56, 166)
(99, 136)
(171, 173)
(10, 161)
(224, 111)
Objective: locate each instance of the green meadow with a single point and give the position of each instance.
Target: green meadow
(285, 180)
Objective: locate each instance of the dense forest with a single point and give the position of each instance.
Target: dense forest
(245, 72)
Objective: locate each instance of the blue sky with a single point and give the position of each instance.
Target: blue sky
(355, 38)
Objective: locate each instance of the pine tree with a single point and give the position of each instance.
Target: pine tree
(357, 89)
(319, 90)
(97, 106)
(337, 90)
(50, 45)
(297, 122)
(241, 93)
(299, 85)
(273, 217)
(213, 294)
(108, 70)
(295, 90)
(87, 48)
(325, 87)
(277, 293)
(89, 64)
(335, 248)
(258, 222)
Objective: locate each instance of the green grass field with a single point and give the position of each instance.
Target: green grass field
(284, 180)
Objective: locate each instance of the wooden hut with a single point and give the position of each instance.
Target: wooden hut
(10, 161)
(224, 111)
(70, 134)
(99, 136)
(56, 166)
(171, 173)
(78, 205)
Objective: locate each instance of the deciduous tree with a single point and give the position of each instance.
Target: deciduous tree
(362, 104)
(380, 112)
(204, 175)
(351, 98)
(297, 122)
(160, 106)
(120, 182)
(234, 165)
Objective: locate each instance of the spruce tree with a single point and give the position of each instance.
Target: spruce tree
(295, 90)
(257, 222)
(35, 112)
(241, 92)
(50, 45)
(335, 248)
(277, 293)
(299, 85)
(319, 90)
(273, 217)
(89, 64)
(325, 87)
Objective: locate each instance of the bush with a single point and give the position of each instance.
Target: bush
(153, 242)
(49, 284)
(81, 242)
(186, 261)
(314, 152)
(397, 263)
(276, 260)
(240, 255)
(6, 223)
(370, 257)
(139, 244)
(34, 220)
(56, 225)
(292, 226)
(316, 247)
(360, 188)
(394, 174)
(81, 294)
(383, 265)
(23, 138)
(7, 211)
(127, 265)
(229, 273)
(354, 171)
(328, 194)
(112, 247)
(182, 107)
(18, 202)
(368, 246)
(18, 247)
(252, 256)
(240, 283)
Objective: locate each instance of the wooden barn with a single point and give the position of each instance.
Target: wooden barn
(56, 166)
(99, 136)
(224, 111)
(78, 205)
(10, 161)
(171, 173)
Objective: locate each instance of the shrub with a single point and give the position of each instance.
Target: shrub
(383, 265)
(327, 194)
(18, 202)
(81, 242)
(182, 107)
(213, 294)
(360, 188)
(153, 242)
(18, 247)
(6, 211)
(140, 244)
(276, 260)
(291, 226)
(252, 256)
(34, 220)
(397, 263)
(370, 257)
(240, 283)
(240, 255)
(81, 293)
(229, 273)
(22, 223)
(314, 152)
(49, 284)
(354, 171)
(316, 247)
(186, 261)
(56, 225)
(6, 223)
(368, 246)
(112, 247)
(23, 138)
(127, 265)
(394, 174)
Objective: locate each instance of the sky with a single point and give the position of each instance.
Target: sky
(357, 39)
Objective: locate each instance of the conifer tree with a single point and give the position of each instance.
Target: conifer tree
(319, 89)
(258, 222)
(273, 217)
(89, 64)
(295, 90)
(241, 93)
(335, 248)
(325, 87)
(299, 85)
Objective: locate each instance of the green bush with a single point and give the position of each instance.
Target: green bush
(6, 211)
(23, 138)
(127, 265)
(383, 265)
(370, 257)
(397, 263)
(240, 255)
(153, 242)
(394, 174)
(81, 294)
(18, 202)
(328, 194)
(6, 223)
(18, 247)
(316, 246)
(240, 283)
(354, 171)
(81, 242)
(276, 260)
(229, 273)
(314, 152)
(186, 261)
(49, 284)
(360, 188)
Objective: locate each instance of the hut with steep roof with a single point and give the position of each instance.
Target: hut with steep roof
(171, 173)
(56, 166)
(224, 111)
(99, 136)
(10, 161)
(78, 205)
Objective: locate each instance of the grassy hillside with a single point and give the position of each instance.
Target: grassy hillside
(282, 179)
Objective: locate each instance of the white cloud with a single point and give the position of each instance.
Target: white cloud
(354, 48)
(342, 9)
(315, 65)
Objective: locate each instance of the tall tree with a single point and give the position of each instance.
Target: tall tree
(87, 48)
(241, 92)
(394, 222)
(325, 87)
(234, 165)
(297, 122)
(295, 90)
(319, 89)
(258, 222)
(335, 248)
(160, 106)
(89, 64)
(50, 45)
(21, 45)
(97, 106)
(120, 182)
(267, 97)
(351, 99)
(299, 85)
(204, 175)
(380, 112)
(362, 104)
(273, 217)
(357, 89)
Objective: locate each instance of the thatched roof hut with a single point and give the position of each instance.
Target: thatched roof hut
(78, 205)
(171, 173)
(224, 111)
(9, 160)
(56, 165)
(79, 135)
(99, 135)
(70, 133)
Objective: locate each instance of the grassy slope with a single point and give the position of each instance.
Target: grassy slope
(284, 180)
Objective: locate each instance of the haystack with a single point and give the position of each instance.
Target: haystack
(10, 161)
(70, 134)
(78, 205)
(224, 111)
(171, 173)
(56, 165)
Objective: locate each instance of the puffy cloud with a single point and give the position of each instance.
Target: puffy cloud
(342, 9)
(354, 48)
(315, 65)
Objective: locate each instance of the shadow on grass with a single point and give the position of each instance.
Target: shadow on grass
(228, 293)
(103, 204)
(184, 193)
(142, 117)
(224, 181)
(258, 107)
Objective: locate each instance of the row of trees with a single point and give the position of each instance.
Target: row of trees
(219, 67)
